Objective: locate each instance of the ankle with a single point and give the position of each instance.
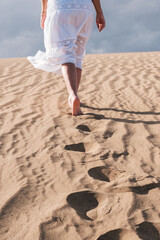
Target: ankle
(73, 95)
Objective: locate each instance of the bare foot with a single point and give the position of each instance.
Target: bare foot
(70, 104)
(74, 103)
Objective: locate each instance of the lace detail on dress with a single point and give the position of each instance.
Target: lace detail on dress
(68, 44)
(71, 6)
(62, 43)
(80, 40)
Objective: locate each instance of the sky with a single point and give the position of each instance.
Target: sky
(131, 26)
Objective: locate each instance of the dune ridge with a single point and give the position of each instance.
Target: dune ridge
(91, 177)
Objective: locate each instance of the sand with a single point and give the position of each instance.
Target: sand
(90, 177)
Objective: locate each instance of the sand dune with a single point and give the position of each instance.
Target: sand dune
(91, 177)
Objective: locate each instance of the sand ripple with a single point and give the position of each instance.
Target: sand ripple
(92, 177)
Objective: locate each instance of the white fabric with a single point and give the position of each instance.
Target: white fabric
(67, 28)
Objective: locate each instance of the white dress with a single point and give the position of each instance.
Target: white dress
(67, 28)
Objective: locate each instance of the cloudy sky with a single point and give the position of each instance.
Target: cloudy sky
(131, 26)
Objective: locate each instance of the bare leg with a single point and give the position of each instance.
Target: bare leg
(79, 74)
(70, 76)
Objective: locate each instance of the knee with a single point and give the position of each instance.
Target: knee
(68, 64)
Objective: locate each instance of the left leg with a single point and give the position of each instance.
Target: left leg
(70, 76)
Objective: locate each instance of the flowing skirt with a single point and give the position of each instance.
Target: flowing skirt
(67, 28)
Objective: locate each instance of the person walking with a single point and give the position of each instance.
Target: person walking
(67, 26)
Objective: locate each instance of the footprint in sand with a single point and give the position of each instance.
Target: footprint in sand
(119, 234)
(88, 147)
(111, 235)
(123, 182)
(79, 147)
(82, 202)
(98, 173)
(83, 128)
(107, 174)
(147, 231)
